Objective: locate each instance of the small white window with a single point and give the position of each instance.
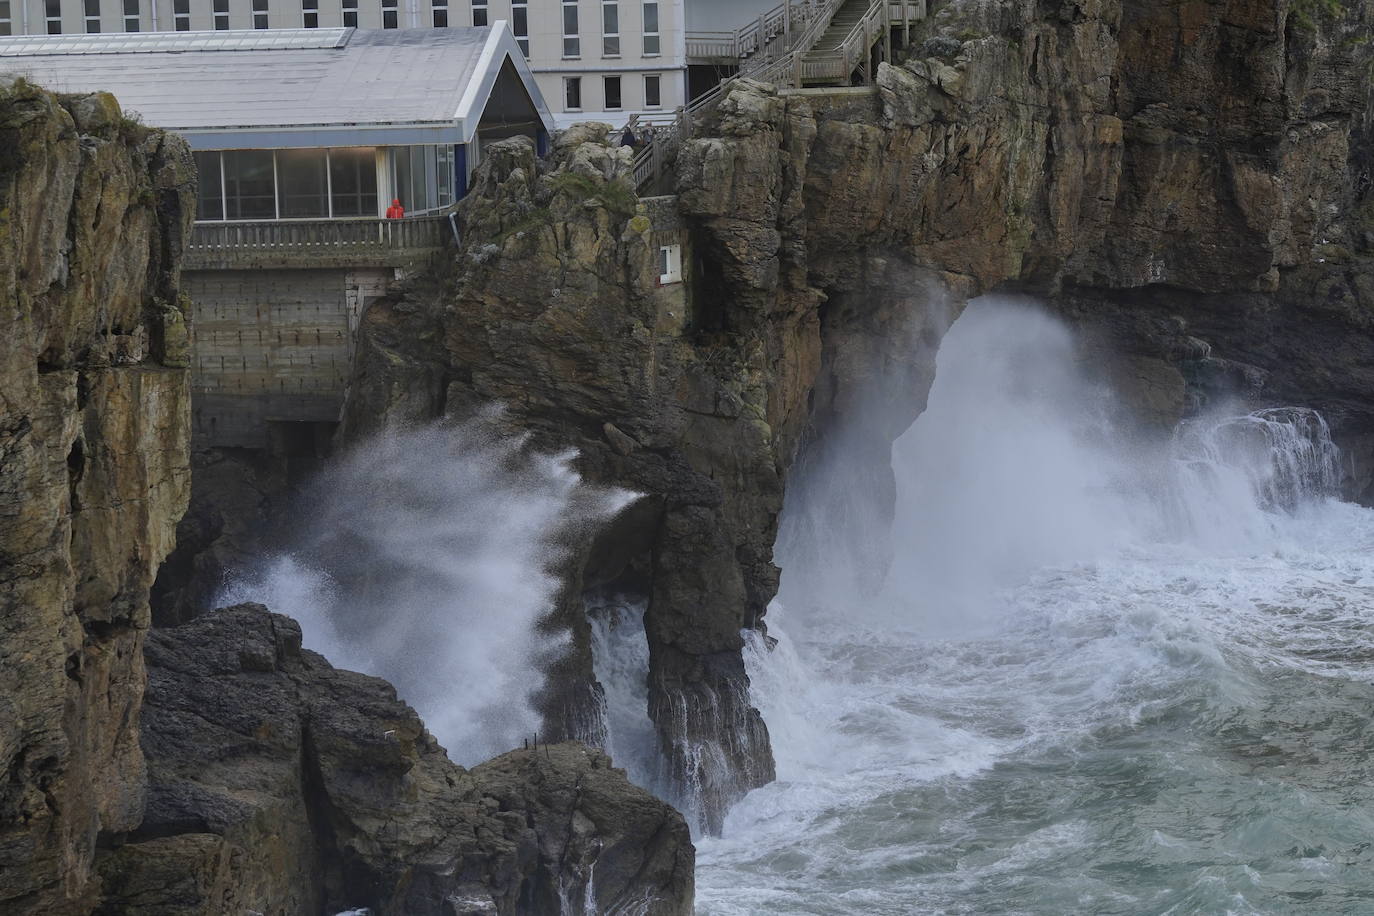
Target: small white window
(391, 14)
(653, 94)
(132, 16)
(520, 24)
(610, 29)
(440, 10)
(651, 36)
(479, 12)
(6, 24)
(572, 93)
(259, 14)
(181, 15)
(221, 15)
(669, 264)
(572, 41)
(92, 16)
(53, 9)
(310, 14)
(350, 13)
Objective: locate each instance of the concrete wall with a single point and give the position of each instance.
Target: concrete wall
(272, 345)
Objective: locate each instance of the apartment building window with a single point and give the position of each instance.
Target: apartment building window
(440, 14)
(131, 15)
(259, 14)
(651, 42)
(350, 13)
(653, 95)
(612, 84)
(181, 15)
(222, 15)
(572, 43)
(92, 16)
(391, 16)
(479, 12)
(310, 14)
(572, 93)
(610, 29)
(53, 9)
(6, 23)
(520, 24)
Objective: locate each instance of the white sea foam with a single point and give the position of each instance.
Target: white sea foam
(1102, 674)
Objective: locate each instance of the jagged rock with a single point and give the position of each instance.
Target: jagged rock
(280, 785)
(94, 437)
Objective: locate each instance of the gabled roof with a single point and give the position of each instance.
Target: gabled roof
(287, 87)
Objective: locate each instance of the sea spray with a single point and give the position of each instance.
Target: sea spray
(427, 556)
(1103, 673)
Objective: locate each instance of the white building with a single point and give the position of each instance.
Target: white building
(592, 59)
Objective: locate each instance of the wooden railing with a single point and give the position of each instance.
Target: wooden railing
(303, 241)
(852, 54)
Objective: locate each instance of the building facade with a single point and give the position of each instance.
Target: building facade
(329, 160)
(592, 59)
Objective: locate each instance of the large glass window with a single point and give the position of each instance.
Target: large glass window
(572, 43)
(92, 8)
(651, 43)
(479, 12)
(53, 9)
(303, 183)
(422, 177)
(210, 187)
(221, 15)
(249, 184)
(610, 29)
(350, 13)
(353, 181)
(131, 16)
(181, 15)
(520, 24)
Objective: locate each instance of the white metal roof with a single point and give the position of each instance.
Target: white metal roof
(287, 87)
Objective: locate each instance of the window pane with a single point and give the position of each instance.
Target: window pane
(610, 46)
(651, 17)
(301, 183)
(572, 94)
(209, 200)
(612, 92)
(92, 8)
(479, 15)
(520, 20)
(388, 19)
(353, 174)
(441, 18)
(569, 19)
(610, 19)
(350, 18)
(249, 190)
(651, 92)
(651, 45)
(572, 47)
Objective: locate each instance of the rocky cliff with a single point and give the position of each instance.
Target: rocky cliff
(94, 471)
(233, 772)
(280, 785)
(1189, 181)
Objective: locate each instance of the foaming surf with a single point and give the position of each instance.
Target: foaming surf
(427, 556)
(1103, 672)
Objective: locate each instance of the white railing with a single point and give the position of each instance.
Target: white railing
(359, 238)
(795, 65)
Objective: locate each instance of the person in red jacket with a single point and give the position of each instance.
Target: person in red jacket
(395, 211)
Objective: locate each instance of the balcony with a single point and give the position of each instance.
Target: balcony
(316, 243)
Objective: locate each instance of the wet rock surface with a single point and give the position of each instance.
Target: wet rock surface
(279, 784)
(94, 437)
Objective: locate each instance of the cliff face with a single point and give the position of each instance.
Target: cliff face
(1187, 180)
(94, 442)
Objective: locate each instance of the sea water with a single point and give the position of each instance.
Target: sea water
(1105, 671)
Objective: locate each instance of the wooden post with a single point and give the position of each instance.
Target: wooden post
(887, 30)
(786, 22)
